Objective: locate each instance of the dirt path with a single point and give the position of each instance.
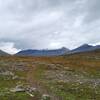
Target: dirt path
(38, 85)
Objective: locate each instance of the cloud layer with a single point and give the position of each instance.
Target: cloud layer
(40, 24)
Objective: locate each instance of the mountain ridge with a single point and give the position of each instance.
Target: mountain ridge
(54, 52)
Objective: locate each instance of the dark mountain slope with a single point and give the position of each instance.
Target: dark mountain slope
(85, 48)
(2, 53)
(55, 52)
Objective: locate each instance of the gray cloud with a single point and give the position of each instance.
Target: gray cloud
(50, 24)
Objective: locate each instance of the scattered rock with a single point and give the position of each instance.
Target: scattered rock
(6, 73)
(32, 95)
(15, 77)
(18, 88)
(45, 97)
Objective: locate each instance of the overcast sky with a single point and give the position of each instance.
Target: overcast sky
(42, 24)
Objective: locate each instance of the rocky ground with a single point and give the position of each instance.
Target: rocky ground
(50, 78)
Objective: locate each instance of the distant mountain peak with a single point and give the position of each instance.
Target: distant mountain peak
(64, 48)
(86, 45)
(84, 48)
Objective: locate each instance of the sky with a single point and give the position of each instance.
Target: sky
(48, 24)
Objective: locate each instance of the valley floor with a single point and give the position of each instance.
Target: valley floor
(71, 77)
